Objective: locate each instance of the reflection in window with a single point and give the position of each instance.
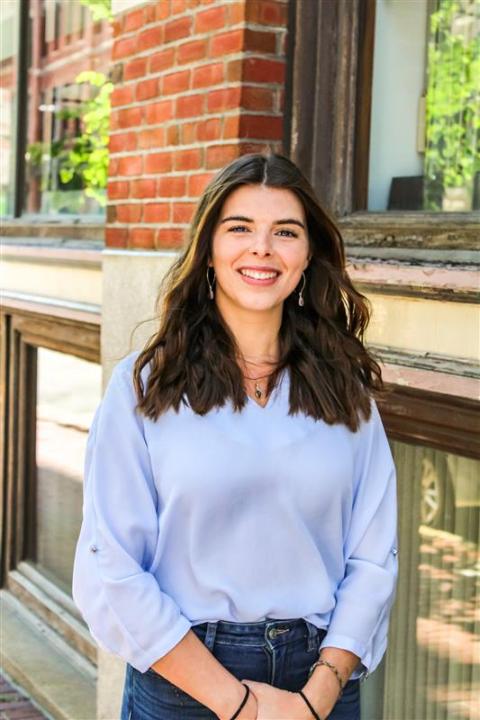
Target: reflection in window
(433, 662)
(68, 391)
(8, 83)
(425, 129)
(68, 107)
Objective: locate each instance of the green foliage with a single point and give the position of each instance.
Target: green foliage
(88, 156)
(79, 163)
(100, 9)
(452, 155)
(82, 160)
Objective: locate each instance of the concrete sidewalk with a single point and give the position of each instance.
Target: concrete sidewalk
(16, 706)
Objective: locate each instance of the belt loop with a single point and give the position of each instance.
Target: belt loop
(210, 635)
(312, 635)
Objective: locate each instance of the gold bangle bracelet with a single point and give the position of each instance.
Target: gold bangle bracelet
(332, 667)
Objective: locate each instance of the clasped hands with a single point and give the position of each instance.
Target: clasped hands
(272, 703)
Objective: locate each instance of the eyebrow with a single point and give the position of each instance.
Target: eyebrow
(283, 221)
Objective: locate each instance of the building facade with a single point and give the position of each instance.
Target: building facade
(115, 117)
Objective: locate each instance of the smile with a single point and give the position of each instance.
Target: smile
(258, 277)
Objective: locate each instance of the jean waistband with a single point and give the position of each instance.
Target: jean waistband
(273, 631)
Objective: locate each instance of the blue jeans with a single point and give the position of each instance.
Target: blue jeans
(277, 652)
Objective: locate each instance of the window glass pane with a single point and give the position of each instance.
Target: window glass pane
(433, 664)
(8, 83)
(68, 390)
(68, 108)
(425, 126)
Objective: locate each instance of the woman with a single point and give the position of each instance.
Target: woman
(242, 517)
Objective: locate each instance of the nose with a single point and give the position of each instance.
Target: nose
(261, 244)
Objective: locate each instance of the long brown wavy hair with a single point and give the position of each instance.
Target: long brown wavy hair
(194, 353)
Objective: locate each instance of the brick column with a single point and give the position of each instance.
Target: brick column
(198, 83)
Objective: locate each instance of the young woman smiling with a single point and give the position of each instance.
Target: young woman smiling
(239, 541)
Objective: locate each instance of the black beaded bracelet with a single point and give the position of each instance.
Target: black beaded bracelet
(312, 709)
(243, 702)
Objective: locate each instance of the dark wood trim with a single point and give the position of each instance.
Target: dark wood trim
(43, 307)
(323, 99)
(22, 332)
(328, 114)
(21, 111)
(81, 339)
(423, 257)
(4, 437)
(289, 54)
(27, 481)
(438, 231)
(301, 75)
(433, 362)
(12, 445)
(422, 417)
(470, 296)
(361, 149)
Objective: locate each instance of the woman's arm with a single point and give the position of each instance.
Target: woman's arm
(121, 601)
(322, 688)
(192, 667)
(356, 637)
(365, 595)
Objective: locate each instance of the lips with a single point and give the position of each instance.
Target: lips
(259, 276)
(259, 268)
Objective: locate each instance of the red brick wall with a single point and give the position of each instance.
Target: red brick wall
(200, 82)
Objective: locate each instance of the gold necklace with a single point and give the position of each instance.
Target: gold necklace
(258, 389)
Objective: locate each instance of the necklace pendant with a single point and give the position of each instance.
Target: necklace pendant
(258, 392)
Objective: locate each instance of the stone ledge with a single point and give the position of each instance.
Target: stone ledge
(38, 660)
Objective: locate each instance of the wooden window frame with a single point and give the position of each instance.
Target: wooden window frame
(22, 332)
(327, 130)
(436, 420)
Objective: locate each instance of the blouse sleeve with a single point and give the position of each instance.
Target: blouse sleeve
(364, 597)
(120, 599)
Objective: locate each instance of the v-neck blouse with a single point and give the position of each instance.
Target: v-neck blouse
(234, 516)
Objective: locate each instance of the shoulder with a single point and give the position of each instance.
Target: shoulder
(368, 428)
(125, 364)
(123, 370)
(120, 400)
(120, 388)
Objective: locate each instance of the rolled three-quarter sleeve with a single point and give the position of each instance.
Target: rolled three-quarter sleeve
(121, 601)
(360, 619)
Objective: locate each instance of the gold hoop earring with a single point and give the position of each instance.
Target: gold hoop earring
(210, 286)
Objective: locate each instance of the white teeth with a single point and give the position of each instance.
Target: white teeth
(258, 275)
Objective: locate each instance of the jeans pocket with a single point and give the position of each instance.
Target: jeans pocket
(156, 697)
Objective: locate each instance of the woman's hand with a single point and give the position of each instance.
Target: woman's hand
(276, 704)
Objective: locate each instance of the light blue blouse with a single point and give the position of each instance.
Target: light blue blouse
(234, 516)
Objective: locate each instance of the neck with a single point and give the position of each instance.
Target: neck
(256, 332)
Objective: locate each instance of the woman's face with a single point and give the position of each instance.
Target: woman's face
(260, 248)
